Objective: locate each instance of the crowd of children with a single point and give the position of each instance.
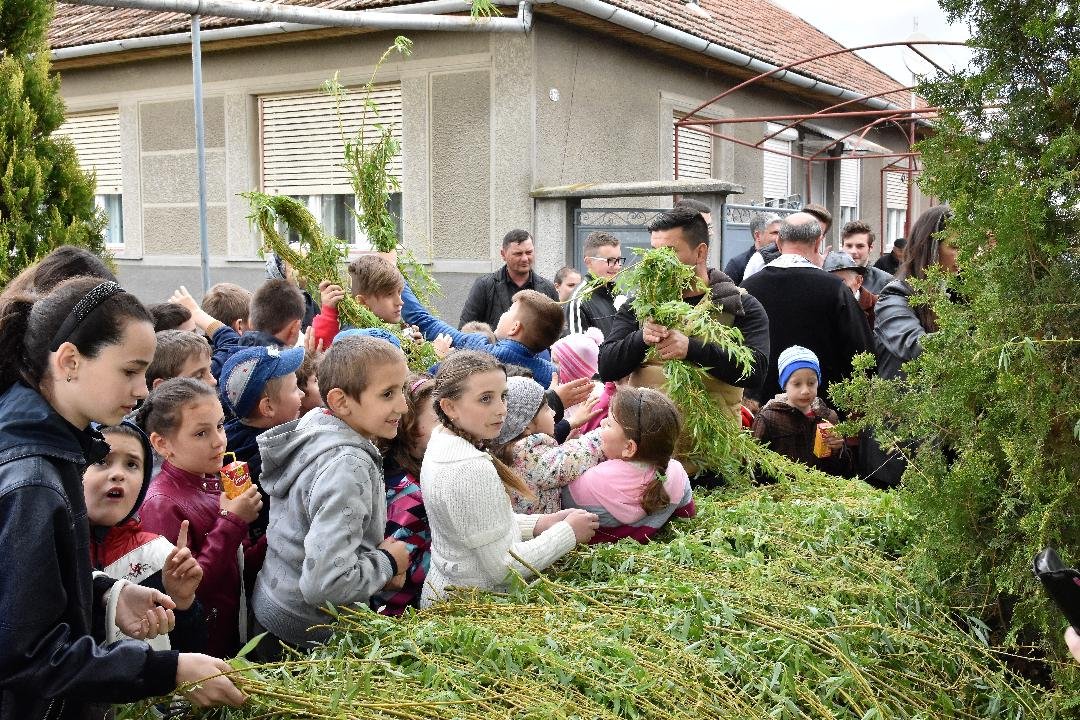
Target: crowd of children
(371, 484)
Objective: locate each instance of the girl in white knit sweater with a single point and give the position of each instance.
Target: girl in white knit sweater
(474, 529)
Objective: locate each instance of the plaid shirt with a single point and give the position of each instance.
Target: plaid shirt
(406, 520)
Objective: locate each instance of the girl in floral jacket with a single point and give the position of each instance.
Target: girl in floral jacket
(527, 445)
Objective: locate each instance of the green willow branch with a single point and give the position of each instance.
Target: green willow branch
(368, 163)
(322, 257)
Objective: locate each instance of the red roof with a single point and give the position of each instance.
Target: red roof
(753, 27)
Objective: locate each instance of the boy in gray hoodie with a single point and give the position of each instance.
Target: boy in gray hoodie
(327, 499)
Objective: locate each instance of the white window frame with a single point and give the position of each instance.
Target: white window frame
(696, 163)
(850, 184)
(776, 166)
(96, 137)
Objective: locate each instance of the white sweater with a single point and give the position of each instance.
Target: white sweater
(473, 527)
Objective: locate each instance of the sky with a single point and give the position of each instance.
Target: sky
(865, 22)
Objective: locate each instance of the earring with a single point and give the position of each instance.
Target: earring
(69, 378)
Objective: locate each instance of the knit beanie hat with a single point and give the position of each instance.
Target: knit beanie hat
(379, 333)
(577, 354)
(524, 398)
(795, 358)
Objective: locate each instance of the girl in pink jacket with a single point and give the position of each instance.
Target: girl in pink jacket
(640, 487)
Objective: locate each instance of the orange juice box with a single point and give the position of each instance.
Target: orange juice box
(821, 449)
(235, 477)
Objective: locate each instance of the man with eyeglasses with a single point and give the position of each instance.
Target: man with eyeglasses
(597, 309)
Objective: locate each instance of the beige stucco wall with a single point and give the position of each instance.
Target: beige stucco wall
(480, 130)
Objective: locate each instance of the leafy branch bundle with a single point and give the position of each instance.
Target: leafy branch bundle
(368, 164)
(655, 285)
(783, 601)
(323, 258)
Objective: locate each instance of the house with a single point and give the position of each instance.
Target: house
(588, 95)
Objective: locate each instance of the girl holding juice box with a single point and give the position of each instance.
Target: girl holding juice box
(186, 425)
(797, 423)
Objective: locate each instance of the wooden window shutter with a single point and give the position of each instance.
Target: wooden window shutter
(96, 137)
(695, 152)
(301, 138)
(896, 190)
(849, 183)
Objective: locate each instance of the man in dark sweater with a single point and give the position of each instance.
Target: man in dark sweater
(623, 351)
(492, 295)
(604, 260)
(807, 306)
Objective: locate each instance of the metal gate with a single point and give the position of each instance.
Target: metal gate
(735, 230)
(627, 224)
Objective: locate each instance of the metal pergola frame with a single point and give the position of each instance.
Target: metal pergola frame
(904, 119)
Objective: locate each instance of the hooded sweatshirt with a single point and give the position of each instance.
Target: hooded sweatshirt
(327, 518)
(127, 552)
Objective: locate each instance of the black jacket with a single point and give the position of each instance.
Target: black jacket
(242, 442)
(623, 351)
(597, 310)
(898, 333)
(888, 263)
(50, 665)
(491, 295)
(737, 265)
(814, 309)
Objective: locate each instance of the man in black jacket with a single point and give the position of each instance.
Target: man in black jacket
(764, 229)
(623, 351)
(603, 260)
(492, 295)
(807, 306)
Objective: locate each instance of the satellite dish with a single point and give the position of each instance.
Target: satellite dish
(915, 63)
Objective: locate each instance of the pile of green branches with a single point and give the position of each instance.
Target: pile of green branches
(785, 601)
(320, 258)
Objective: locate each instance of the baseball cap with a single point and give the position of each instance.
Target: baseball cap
(842, 261)
(245, 374)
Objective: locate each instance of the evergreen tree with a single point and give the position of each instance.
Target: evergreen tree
(993, 403)
(46, 200)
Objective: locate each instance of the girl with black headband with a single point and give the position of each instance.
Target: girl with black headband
(76, 356)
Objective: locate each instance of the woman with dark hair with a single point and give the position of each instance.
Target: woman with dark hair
(76, 356)
(899, 327)
(63, 263)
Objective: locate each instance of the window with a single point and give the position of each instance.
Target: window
(332, 211)
(96, 137)
(896, 189)
(694, 154)
(894, 224)
(303, 153)
(849, 190)
(776, 184)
